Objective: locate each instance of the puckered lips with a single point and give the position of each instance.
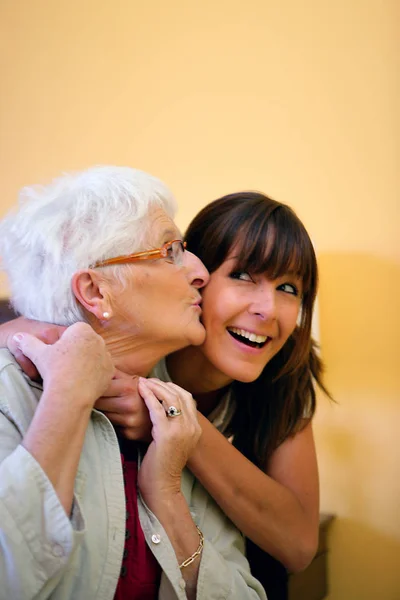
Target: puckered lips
(197, 301)
(249, 338)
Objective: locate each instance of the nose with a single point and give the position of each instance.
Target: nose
(264, 303)
(197, 274)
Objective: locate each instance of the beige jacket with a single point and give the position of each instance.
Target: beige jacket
(44, 554)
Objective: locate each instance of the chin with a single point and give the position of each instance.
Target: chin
(193, 335)
(248, 379)
(244, 374)
(198, 337)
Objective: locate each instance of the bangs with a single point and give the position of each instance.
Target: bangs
(262, 235)
(275, 244)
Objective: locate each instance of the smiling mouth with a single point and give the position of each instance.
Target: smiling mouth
(249, 339)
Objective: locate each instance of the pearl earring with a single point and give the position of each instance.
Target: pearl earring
(106, 315)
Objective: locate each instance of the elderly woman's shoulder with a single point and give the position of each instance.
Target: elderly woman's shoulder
(7, 360)
(19, 396)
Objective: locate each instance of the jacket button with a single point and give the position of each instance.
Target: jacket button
(58, 550)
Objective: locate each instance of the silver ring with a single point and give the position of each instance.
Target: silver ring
(172, 411)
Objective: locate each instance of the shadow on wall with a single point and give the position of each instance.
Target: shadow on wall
(357, 438)
(364, 563)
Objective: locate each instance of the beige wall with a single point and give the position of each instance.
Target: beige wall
(298, 98)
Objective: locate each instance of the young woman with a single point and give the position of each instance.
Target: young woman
(253, 378)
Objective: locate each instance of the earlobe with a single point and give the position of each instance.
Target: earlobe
(89, 289)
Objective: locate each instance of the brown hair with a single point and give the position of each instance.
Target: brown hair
(268, 238)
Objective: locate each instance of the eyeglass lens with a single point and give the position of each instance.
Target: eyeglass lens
(176, 252)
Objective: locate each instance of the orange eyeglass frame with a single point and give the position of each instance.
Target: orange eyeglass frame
(137, 256)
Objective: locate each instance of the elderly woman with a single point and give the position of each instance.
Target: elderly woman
(79, 520)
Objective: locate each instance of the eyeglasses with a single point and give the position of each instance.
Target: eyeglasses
(171, 251)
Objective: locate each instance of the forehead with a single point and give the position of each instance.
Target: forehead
(270, 254)
(161, 228)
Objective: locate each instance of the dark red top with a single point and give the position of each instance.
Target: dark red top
(140, 573)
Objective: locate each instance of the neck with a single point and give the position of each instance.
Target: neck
(191, 370)
(209, 400)
(131, 354)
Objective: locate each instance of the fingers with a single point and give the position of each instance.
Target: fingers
(187, 396)
(120, 420)
(125, 408)
(117, 388)
(111, 405)
(51, 335)
(177, 435)
(173, 395)
(168, 397)
(122, 385)
(121, 404)
(132, 427)
(121, 395)
(29, 345)
(133, 434)
(26, 365)
(156, 409)
(187, 421)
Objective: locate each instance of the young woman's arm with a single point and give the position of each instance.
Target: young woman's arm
(278, 509)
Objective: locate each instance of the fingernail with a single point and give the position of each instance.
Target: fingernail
(18, 337)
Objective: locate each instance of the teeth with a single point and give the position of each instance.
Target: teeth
(259, 339)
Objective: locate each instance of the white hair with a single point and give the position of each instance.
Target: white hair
(70, 224)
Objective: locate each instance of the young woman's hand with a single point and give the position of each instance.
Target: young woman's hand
(125, 408)
(46, 332)
(77, 366)
(174, 439)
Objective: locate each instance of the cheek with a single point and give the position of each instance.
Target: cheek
(123, 297)
(138, 302)
(217, 310)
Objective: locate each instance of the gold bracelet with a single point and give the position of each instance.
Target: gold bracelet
(199, 550)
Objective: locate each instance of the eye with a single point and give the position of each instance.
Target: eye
(241, 275)
(289, 288)
(171, 252)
